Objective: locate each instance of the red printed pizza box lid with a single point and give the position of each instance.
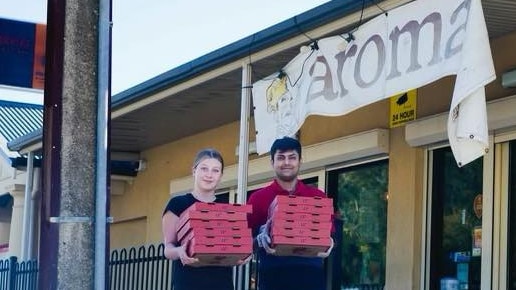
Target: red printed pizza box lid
(308, 200)
(228, 260)
(222, 232)
(297, 250)
(221, 227)
(299, 246)
(306, 208)
(211, 215)
(315, 217)
(303, 241)
(308, 224)
(195, 249)
(218, 255)
(225, 207)
(299, 232)
(218, 240)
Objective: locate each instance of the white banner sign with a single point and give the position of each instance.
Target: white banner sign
(404, 49)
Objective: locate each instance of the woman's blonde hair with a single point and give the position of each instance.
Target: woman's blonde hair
(208, 153)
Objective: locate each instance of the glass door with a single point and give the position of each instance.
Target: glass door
(456, 222)
(511, 243)
(360, 197)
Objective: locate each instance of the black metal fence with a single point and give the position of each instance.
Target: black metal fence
(364, 287)
(140, 268)
(134, 268)
(18, 276)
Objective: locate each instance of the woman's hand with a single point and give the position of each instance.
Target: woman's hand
(183, 256)
(245, 261)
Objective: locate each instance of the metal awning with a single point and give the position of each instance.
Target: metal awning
(205, 93)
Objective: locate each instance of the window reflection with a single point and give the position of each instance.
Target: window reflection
(456, 222)
(361, 203)
(511, 283)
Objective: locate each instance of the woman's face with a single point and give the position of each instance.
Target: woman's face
(207, 174)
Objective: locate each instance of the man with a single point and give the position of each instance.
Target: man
(284, 272)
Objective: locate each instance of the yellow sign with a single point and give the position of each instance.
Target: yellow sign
(403, 108)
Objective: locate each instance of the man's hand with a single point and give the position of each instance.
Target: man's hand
(264, 240)
(328, 252)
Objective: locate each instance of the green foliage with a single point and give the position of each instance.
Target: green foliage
(362, 204)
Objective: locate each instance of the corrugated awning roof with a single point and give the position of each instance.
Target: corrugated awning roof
(19, 119)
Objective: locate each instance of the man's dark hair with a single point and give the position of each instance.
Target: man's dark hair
(284, 144)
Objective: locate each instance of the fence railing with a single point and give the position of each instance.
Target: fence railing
(133, 268)
(18, 276)
(140, 268)
(363, 287)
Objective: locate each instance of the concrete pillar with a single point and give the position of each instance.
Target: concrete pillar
(17, 191)
(5, 228)
(403, 258)
(68, 198)
(34, 224)
(5, 222)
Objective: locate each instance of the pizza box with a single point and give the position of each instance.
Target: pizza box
(212, 224)
(218, 255)
(300, 246)
(308, 200)
(195, 248)
(308, 224)
(228, 260)
(305, 208)
(313, 217)
(217, 232)
(224, 207)
(211, 215)
(299, 232)
(218, 240)
(189, 224)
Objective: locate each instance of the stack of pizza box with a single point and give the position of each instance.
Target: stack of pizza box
(216, 233)
(301, 226)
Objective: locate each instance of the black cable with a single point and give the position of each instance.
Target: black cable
(302, 69)
(361, 14)
(350, 37)
(381, 9)
(300, 30)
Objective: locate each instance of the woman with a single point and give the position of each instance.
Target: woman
(207, 171)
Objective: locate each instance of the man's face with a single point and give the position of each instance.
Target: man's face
(286, 165)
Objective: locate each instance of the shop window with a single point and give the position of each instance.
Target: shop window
(456, 220)
(311, 181)
(360, 198)
(223, 197)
